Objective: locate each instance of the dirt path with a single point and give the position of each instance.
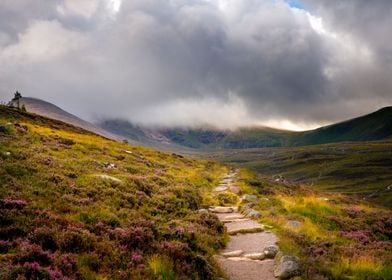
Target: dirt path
(250, 253)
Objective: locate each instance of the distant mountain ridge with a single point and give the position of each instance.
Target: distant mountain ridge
(371, 127)
(47, 109)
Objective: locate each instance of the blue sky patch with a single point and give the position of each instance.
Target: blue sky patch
(296, 4)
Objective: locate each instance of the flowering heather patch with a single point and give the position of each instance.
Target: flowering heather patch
(59, 221)
(9, 203)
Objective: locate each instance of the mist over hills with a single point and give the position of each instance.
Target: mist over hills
(374, 126)
(370, 127)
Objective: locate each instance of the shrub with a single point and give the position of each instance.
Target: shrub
(45, 237)
(76, 242)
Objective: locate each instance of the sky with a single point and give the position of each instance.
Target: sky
(226, 63)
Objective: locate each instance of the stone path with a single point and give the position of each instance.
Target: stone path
(245, 257)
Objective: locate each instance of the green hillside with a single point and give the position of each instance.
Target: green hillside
(375, 126)
(74, 205)
(359, 169)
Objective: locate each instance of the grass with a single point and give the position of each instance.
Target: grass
(337, 237)
(59, 219)
(361, 170)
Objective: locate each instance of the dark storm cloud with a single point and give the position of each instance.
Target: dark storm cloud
(189, 62)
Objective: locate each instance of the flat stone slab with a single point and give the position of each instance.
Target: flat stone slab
(249, 226)
(223, 209)
(228, 216)
(255, 256)
(235, 189)
(251, 243)
(220, 188)
(231, 254)
(246, 269)
(235, 220)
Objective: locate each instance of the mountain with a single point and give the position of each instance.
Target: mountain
(47, 109)
(374, 126)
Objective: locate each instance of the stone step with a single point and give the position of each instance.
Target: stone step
(248, 226)
(225, 221)
(220, 188)
(232, 254)
(255, 256)
(223, 209)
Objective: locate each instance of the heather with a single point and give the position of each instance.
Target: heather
(336, 237)
(74, 205)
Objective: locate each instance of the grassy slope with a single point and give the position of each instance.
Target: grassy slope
(58, 219)
(358, 169)
(338, 237)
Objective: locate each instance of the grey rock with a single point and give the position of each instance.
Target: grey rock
(222, 209)
(247, 207)
(220, 188)
(271, 251)
(293, 224)
(249, 198)
(288, 267)
(203, 211)
(253, 214)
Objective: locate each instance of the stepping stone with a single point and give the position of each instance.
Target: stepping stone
(244, 227)
(255, 256)
(235, 220)
(222, 209)
(233, 216)
(239, 259)
(221, 188)
(231, 254)
(235, 189)
(251, 242)
(240, 269)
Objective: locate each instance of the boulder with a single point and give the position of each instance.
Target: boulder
(253, 214)
(271, 251)
(288, 267)
(247, 207)
(203, 211)
(293, 224)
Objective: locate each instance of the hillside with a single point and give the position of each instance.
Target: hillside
(52, 111)
(357, 169)
(74, 205)
(375, 126)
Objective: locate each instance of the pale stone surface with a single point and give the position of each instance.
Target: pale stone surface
(247, 270)
(243, 227)
(255, 256)
(221, 188)
(231, 254)
(107, 177)
(222, 209)
(243, 258)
